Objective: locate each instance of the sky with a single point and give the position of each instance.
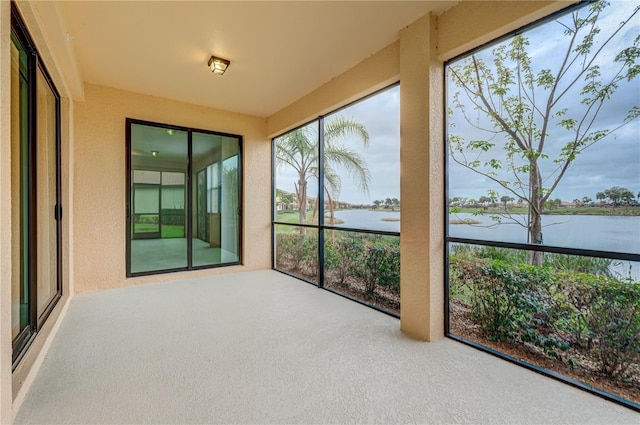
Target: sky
(613, 161)
(380, 114)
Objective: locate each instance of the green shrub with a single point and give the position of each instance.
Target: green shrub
(298, 250)
(343, 254)
(173, 217)
(603, 318)
(553, 306)
(511, 303)
(578, 264)
(389, 271)
(146, 219)
(381, 267)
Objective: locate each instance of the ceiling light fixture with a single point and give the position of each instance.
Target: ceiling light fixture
(155, 153)
(218, 65)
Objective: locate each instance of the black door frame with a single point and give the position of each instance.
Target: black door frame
(34, 64)
(189, 185)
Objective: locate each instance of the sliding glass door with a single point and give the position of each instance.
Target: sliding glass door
(36, 211)
(183, 207)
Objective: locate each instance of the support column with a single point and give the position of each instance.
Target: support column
(422, 182)
(6, 414)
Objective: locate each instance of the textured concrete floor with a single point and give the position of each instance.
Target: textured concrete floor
(262, 347)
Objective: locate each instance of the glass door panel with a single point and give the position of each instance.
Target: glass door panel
(215, 204)
(46, 195)
(159, 164)
(35, 190)
(20, 242)
(184, 200)
(229, 202)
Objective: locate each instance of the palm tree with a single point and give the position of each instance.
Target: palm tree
(505, 199)
(299, 150)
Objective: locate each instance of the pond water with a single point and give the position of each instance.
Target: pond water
(368, 219)
(602, 233)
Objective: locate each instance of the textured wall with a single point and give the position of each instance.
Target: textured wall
(100, 188)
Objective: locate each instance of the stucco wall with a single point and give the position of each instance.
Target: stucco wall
(100, 189)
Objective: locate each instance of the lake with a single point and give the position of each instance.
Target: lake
(368, 219)
(602, 233)
(597, 232)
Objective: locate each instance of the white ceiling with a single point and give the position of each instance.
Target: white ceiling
(279, 51)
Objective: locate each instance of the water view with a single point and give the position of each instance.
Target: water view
(596, 232)
(387, 221)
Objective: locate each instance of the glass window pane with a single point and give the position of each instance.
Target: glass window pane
(149, 177)
(364, 266)
(543, 149)
(172, 202)
(362, 164)
(296, 180)
(296, 251)
(158, 225)
(565, 176)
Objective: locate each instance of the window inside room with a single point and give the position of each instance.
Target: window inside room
(184, 192)
(336, 201)
(543, 197)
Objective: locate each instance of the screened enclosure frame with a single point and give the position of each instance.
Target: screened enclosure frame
(321, 227)
(189, 187)
(551, 249)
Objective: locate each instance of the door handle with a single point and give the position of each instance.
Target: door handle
(57, 212)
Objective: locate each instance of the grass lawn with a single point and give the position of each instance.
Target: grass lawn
(619, 211)
(293, 218)
(168, 231)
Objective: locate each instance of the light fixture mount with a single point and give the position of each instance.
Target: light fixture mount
(218, 65)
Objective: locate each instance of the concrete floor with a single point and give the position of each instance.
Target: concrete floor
(262, 348)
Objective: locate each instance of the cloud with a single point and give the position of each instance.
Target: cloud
(613, 161)
(380, 114)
